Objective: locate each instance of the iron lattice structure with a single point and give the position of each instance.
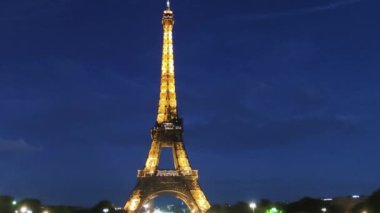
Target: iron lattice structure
(181, 181)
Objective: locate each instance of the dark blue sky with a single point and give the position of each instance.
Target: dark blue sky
(280, 98)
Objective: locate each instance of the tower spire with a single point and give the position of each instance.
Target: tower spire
(167, 105)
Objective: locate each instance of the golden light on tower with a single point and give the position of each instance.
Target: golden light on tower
(182, 181)
(167, 105)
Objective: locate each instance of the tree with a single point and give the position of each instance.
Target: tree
(307, 204)
(264, 205)
(370, 205)
(6, 204)
(241, 207)
(359, 208)
(31, 204)
(104, 204)
(224, 208)
(373, 201)
(61, 209)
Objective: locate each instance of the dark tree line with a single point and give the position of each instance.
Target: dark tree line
(370, 205)
(306, 205)
(243, 207)
(7, 206)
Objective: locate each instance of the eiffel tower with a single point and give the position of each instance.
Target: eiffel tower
(182, 181)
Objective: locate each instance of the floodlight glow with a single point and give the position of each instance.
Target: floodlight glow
(14, 202)
(23, 209)
(273, 210)
(324, 210)
(253, 206)
(105, 210)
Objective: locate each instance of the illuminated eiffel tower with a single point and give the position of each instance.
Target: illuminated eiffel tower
(182, 181)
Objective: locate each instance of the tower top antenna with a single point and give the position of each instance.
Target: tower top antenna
(168, 4)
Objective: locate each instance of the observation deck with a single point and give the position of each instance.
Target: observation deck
(167, 173)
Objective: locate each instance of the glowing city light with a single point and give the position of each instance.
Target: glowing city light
(105, 210)
(157, 211)
(253, 206)
(24, 209)
(274, 210)
(146, 206)
(324, 210)
(14, 202)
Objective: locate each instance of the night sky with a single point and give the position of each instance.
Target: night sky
(280, 99)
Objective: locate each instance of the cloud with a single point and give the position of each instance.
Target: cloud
(16, 146)
(264, 133)
(331, 6)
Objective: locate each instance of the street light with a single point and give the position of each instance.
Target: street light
(106, 210)
(253, 206)
(24, 209)
(146, 207)
(324, 210)
(274, 210)
(157, 211)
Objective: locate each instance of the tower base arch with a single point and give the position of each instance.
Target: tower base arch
(185, 188)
